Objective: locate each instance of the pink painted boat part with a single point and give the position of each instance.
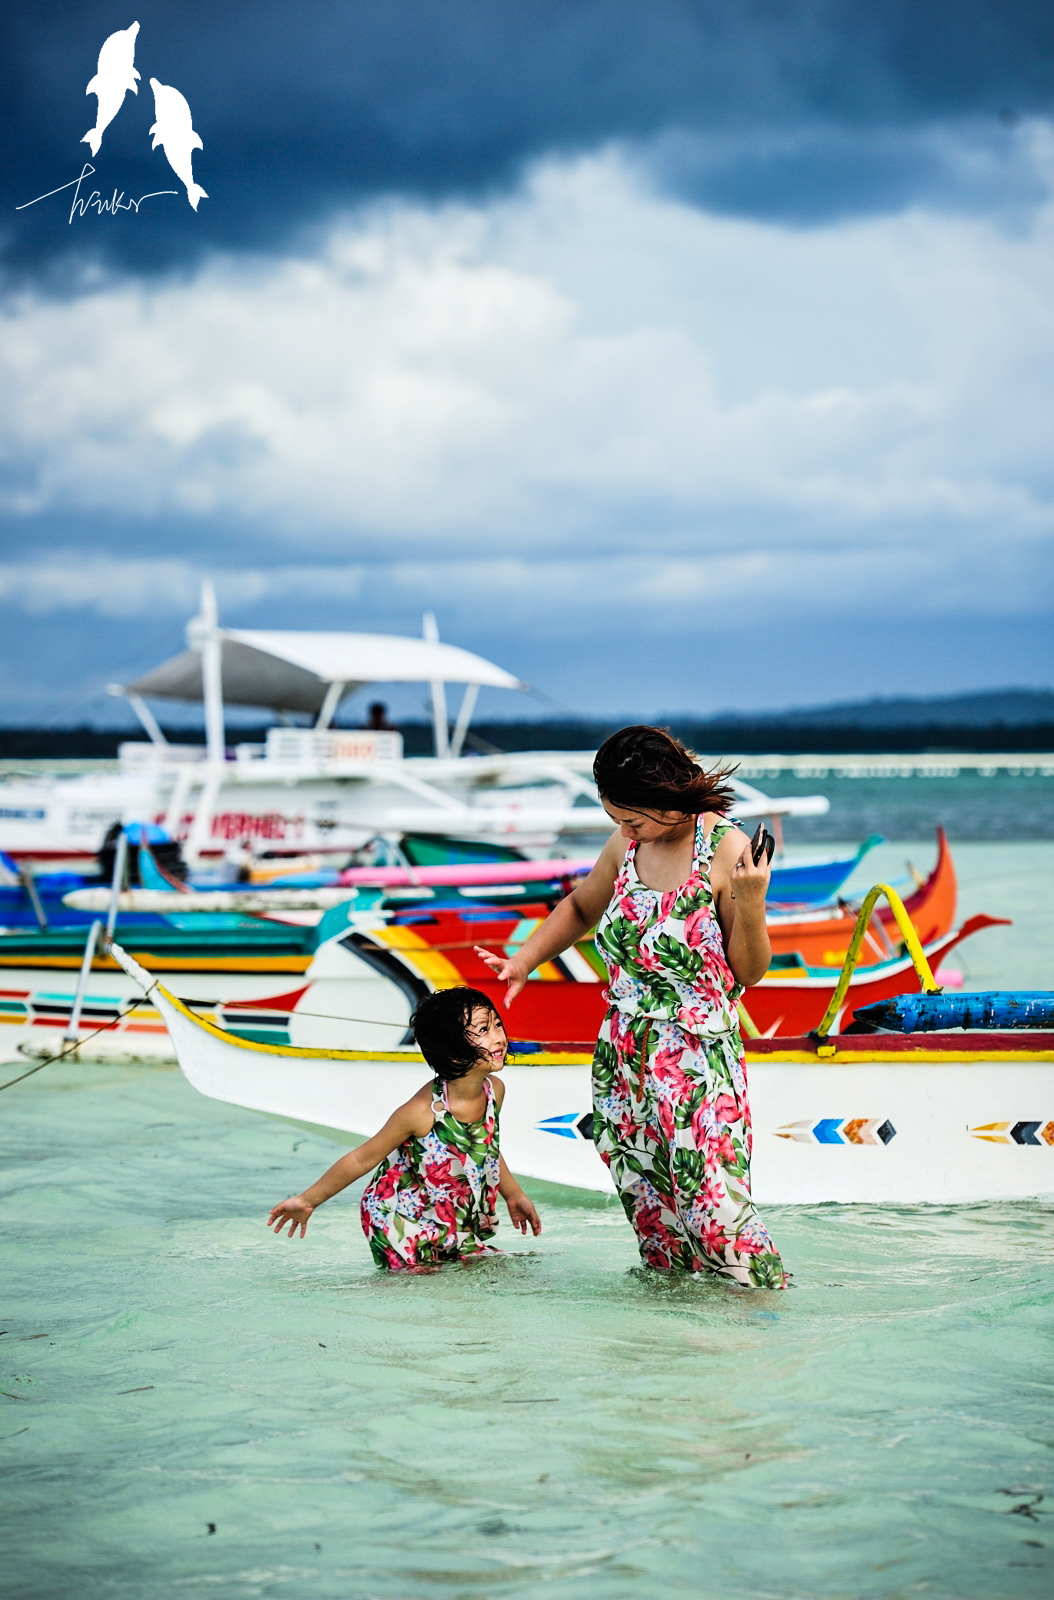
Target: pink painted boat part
(465, 874)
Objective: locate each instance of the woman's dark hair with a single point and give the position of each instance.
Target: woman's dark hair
(647, 769)
(440, 1026)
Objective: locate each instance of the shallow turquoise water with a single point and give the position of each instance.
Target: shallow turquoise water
(552, 1423)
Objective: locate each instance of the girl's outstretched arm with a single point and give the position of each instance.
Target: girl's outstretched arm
(522, 1210)
(415, 1117)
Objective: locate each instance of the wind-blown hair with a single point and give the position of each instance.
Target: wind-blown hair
(644, 768)
(440, 1026)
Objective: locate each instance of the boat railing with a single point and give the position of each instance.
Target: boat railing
(912, 944)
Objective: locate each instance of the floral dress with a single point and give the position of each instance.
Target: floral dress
(670, 1114)
(435, 1199)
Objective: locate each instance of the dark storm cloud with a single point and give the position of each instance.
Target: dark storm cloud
(803, 109)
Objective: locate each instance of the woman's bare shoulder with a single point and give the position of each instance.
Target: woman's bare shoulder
(731, 844)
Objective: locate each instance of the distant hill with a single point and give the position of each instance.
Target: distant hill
(1008, 708)
(997, 720)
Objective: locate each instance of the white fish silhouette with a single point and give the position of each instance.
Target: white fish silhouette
(174, 132)
(114, 76)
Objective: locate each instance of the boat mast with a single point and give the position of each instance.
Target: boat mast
(203, 634)
(438, 687)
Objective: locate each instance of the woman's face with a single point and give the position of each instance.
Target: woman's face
(643, 826)
(489, 1037)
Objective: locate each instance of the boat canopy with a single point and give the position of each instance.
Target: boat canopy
(296, 671)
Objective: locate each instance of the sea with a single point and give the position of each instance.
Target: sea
(191, 1408)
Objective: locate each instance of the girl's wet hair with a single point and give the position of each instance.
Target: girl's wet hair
(646, 769)
(440, 1025)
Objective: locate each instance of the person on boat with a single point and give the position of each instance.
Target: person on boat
(680, 923)
(377, 718)
(433, 1198)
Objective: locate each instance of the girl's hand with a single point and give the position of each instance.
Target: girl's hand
(522, 1211)
(507, 969)
(749, 883)
(295, 1211)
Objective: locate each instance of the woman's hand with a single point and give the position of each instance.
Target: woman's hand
(750, 882)
(507, 969)
(523, 1211)
(296, 1211)
(741, 908)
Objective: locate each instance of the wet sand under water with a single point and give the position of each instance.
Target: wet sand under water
(550, 1423)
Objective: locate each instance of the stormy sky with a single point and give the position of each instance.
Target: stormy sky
(680, 356)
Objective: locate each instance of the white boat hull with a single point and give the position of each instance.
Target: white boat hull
(931, 1127)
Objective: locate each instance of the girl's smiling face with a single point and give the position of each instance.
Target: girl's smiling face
(486, 1033)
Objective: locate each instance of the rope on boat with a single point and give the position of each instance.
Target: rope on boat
(71, 1048)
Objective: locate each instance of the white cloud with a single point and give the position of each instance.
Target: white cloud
(115, 586)
(585, 376)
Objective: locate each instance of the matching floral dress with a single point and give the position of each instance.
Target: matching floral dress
(671, 1119)
(435, 1199)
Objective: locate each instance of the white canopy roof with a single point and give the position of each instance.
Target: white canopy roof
(292, 671)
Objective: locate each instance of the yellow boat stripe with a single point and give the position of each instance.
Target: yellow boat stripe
(426, 961)
(555, 1058)
(576, 1058)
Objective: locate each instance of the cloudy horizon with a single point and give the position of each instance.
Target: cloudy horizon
(661, 401)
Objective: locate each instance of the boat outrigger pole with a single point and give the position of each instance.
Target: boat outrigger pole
(120, 863)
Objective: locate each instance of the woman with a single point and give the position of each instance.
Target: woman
(680, 923)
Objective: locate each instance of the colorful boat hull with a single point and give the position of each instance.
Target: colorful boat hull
(356, 978)
(565, 1000)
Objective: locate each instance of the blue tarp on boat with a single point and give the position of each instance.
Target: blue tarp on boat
(937, 1013)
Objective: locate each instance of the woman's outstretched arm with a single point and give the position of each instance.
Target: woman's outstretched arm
(576, 914)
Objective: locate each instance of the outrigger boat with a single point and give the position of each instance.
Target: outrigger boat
(320, 790)
(356, 974)
(885, 1117)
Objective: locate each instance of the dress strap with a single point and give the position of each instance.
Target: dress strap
(440, 1104)
(718, 831)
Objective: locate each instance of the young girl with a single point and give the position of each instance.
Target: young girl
(433, 1197)
(678, 904)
